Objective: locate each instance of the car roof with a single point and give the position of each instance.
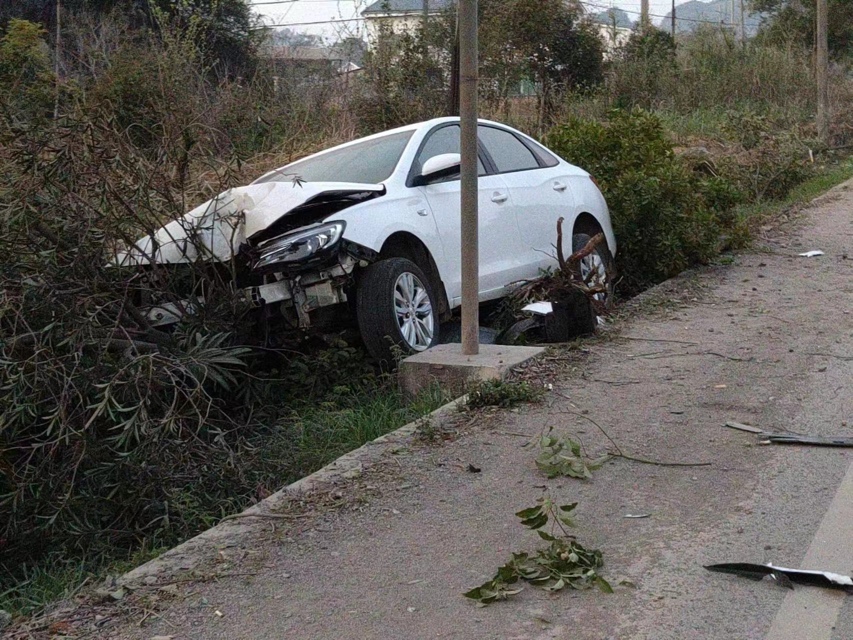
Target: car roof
(425, 124)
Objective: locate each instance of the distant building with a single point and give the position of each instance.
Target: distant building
(614, 28)
(399, 16)
(613, 37)
(309, 65)
(310, 60)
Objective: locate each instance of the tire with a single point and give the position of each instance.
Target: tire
(601, 256)
(396, 310)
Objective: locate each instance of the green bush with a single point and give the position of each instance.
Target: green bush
(710, 70)
(661, 220)
(770, 158)
(25, 73)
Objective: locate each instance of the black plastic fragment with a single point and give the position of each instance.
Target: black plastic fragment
(785, 576)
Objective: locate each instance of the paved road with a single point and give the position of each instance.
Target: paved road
(758, 341)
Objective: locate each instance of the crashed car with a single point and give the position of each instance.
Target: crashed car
(370, 231)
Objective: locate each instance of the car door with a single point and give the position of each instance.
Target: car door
(499, 234)
(541, 195)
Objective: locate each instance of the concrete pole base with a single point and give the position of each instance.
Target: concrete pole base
(446, 366)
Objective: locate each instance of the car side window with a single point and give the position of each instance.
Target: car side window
(508, 152)
(443, 140)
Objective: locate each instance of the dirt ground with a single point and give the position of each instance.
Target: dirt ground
(766, 340)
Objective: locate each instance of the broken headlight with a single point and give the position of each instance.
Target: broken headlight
(299, 246)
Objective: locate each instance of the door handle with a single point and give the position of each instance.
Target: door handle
(499, 197)
(559, 186)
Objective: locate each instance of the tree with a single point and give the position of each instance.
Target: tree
(25, 73)
(793, 21)
(290, 38)
(228, 30)
(544, 41)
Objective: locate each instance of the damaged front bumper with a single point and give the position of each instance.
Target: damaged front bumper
(276, 235)
(299, 287)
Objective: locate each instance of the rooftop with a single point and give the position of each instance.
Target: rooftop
(406, 6)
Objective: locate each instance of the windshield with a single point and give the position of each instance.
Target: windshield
(367, 162)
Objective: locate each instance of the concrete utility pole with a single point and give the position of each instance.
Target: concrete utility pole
(425, 20)
(734, 24)
(468, 57)
(57, 56)
(742, 24)
(644, 15)
(822, 71)
(453, 94)
(673, 19)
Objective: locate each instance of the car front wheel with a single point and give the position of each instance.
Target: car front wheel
(395, 306)
(597, 268)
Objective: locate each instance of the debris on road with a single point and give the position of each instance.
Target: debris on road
(564, 563)
(743, 427)
(637, 515)
(785, 576)
(792, 438)
(812, 440)
(539, 308)
(812, 254)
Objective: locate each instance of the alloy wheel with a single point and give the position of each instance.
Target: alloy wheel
(414, 313)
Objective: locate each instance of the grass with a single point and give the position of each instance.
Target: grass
(44, 583)
(502, 393)
(824, 180)
(309, 439)
(704, 124)
(349, 418)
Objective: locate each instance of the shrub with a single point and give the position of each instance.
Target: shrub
(643, 69)
(710, 70)
(770, 157)
(25, 73)
(661, 221)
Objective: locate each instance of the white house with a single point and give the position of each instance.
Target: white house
(613, 37)
(399, 16)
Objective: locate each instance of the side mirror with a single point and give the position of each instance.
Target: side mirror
(440, 166)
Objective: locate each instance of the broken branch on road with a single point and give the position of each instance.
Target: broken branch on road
(658, 355)
(619, 453)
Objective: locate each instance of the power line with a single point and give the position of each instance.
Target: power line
(361, 18)
(653, 15)
(258, 4)
(302, 24)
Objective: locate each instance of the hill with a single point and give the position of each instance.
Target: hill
(692, 14)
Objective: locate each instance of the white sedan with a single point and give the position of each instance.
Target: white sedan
(371, 229)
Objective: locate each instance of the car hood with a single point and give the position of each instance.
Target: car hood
(214, 231)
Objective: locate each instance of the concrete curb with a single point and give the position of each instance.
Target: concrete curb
(191, 554)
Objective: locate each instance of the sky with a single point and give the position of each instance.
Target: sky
(292, 12)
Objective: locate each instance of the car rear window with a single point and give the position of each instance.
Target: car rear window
(508, 152)
(369, 162)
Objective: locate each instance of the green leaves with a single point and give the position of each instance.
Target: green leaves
(498, 588)
(563, 563)
(501, 393)
(538, 516)
(659, 215)
(562, 456)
